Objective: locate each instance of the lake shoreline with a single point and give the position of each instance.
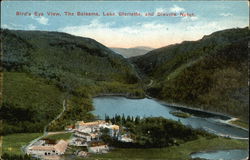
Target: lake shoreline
(176, 105)
(126, 95)
(228, 121)
(181, 106)
(214, 150)
(227, 118)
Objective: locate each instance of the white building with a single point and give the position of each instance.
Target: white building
(78, 142)
(87, 136)
(98, 147)
(89, 127)
(125, 138)
(47, 150)
(91, 130)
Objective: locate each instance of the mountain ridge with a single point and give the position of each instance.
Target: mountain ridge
(191, 72)
(66, 66)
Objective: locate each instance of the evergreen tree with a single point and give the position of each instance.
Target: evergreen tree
(123, 119)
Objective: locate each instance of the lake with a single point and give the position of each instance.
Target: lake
(235, 154)
(112, 105)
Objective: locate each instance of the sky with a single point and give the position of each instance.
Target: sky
(128, 31)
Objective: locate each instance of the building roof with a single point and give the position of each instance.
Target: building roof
(96, 144)
(115, 127)
(82, 123)
(99, 146)
(70, 127)
(79, 140)
(82, 133)
(44, 148)
(61, 146)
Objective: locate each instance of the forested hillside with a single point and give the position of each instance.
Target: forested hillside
(42, 69)
(211, 73)
(64, 58)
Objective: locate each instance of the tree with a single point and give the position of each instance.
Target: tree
(123, 119)
(137, 120)
(107, 119)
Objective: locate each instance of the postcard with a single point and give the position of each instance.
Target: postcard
(160, 80)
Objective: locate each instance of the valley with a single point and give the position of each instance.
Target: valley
(44, 71)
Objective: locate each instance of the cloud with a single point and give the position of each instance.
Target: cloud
(153, 26)
(126, 36)
(226, 14)
(188, 18)
(42, 20)
(31, 27)
(18, 26)
(4, 26)
(152, 34)
(12, 26)
(160, 10)
(176, 8)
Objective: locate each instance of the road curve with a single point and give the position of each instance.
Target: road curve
(45, 133)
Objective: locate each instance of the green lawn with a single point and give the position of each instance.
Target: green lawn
(180, 114)
(64, 136)
(29, 103)
(181, 152)
(12, 143)
(1, 142)
(241, 123)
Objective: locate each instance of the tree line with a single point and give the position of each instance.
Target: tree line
(152, 132)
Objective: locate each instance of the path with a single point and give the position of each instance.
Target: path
(1, 146)
(57, 117)
(45, 133)
(53, 133)
(150, 83)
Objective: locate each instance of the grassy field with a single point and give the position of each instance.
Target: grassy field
(64, 136)
(1, 143)
(241, 123)
(181, 114)
(181, 152)
(29, 103)
(12, 143)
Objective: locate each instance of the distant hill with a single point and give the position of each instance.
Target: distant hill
(40, 65)
(53, 55)
(211, 73)
(131, 52)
